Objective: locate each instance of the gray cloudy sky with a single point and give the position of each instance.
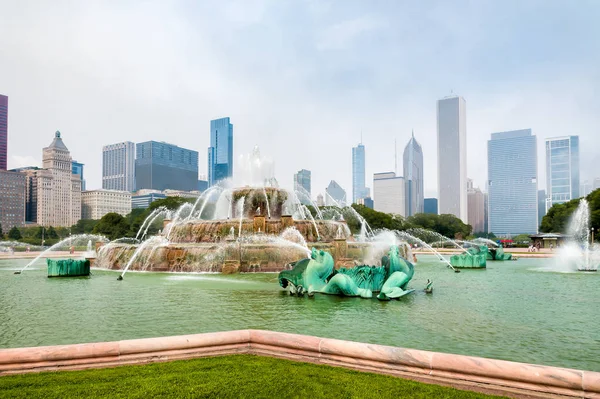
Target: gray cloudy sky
(299, 78)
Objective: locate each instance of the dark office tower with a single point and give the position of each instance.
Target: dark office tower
(162, 166)
(3, 132)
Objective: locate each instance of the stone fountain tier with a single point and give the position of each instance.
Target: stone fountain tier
(211, 231)
(226, 257)
(259, 201)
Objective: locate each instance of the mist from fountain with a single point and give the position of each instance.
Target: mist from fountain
(240, 210)
(577, 254)
(154, 241)
(439, 237)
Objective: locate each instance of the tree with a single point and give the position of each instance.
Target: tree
(1, 233)
(51, 233)
(112, 226)
(84, 226)
(522, 239)
(558, 216)
(14, 234)
(171, 203)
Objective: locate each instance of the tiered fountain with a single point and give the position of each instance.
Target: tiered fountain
(250, 226)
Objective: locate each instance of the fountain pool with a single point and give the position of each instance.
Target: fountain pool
(513, 310)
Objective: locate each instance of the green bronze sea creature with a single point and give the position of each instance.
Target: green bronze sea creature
(318, 275)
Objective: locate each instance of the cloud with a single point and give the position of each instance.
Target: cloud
(300, 79)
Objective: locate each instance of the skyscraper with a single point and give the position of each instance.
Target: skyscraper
(562, 169)
(541, 205)
(358, 173)
(476, 208)
(302, 185)
(77, 169)
(512, 182)
(220, 152)
(118, 166)
(161, 166)
(335, 195)
(58, 190)
(413, 177)
(3, 132)
(585, 188)
(452, 156)
(12, 199)
(388, 192)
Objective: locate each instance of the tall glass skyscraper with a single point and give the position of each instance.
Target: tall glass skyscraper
(413, 177)
(302, 185)
(77, 168)
(562, 169)
(3, 132)
(220, 152)
(512, 182)
(452, 156)
(118, 166)
(162, 166)
(358, 173)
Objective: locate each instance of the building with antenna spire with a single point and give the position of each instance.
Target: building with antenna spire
(413, 176)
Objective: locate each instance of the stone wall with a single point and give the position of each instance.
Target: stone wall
(520, 380)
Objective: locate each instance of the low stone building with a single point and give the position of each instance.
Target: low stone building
(97, 203)
(548, 240)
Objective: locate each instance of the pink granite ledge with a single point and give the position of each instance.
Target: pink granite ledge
(410, 363)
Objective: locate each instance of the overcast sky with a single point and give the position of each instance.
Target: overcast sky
(301, 79)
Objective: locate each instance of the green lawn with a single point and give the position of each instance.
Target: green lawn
(239, 376)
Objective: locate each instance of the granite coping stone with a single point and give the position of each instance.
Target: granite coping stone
(500, 373)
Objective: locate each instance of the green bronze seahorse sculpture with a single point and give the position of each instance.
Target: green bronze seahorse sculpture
(318, 275)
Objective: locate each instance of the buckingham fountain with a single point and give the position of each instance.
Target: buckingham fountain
(251, 225)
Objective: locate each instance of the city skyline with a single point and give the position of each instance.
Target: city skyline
(309, 87)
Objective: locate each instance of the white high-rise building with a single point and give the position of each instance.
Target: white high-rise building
(58, 189)
(388, 193)
(562, 169)
(118, 166)
(97, 203)
(452, 157)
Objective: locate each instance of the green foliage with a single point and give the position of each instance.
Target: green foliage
(14, 234)
(112, 225)
(380, 220)
(557, 218)
(1, 232)
(447, 225)
(84, 226)
(521, 239)
(171, 203)
(51, 233)
(223, 377)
